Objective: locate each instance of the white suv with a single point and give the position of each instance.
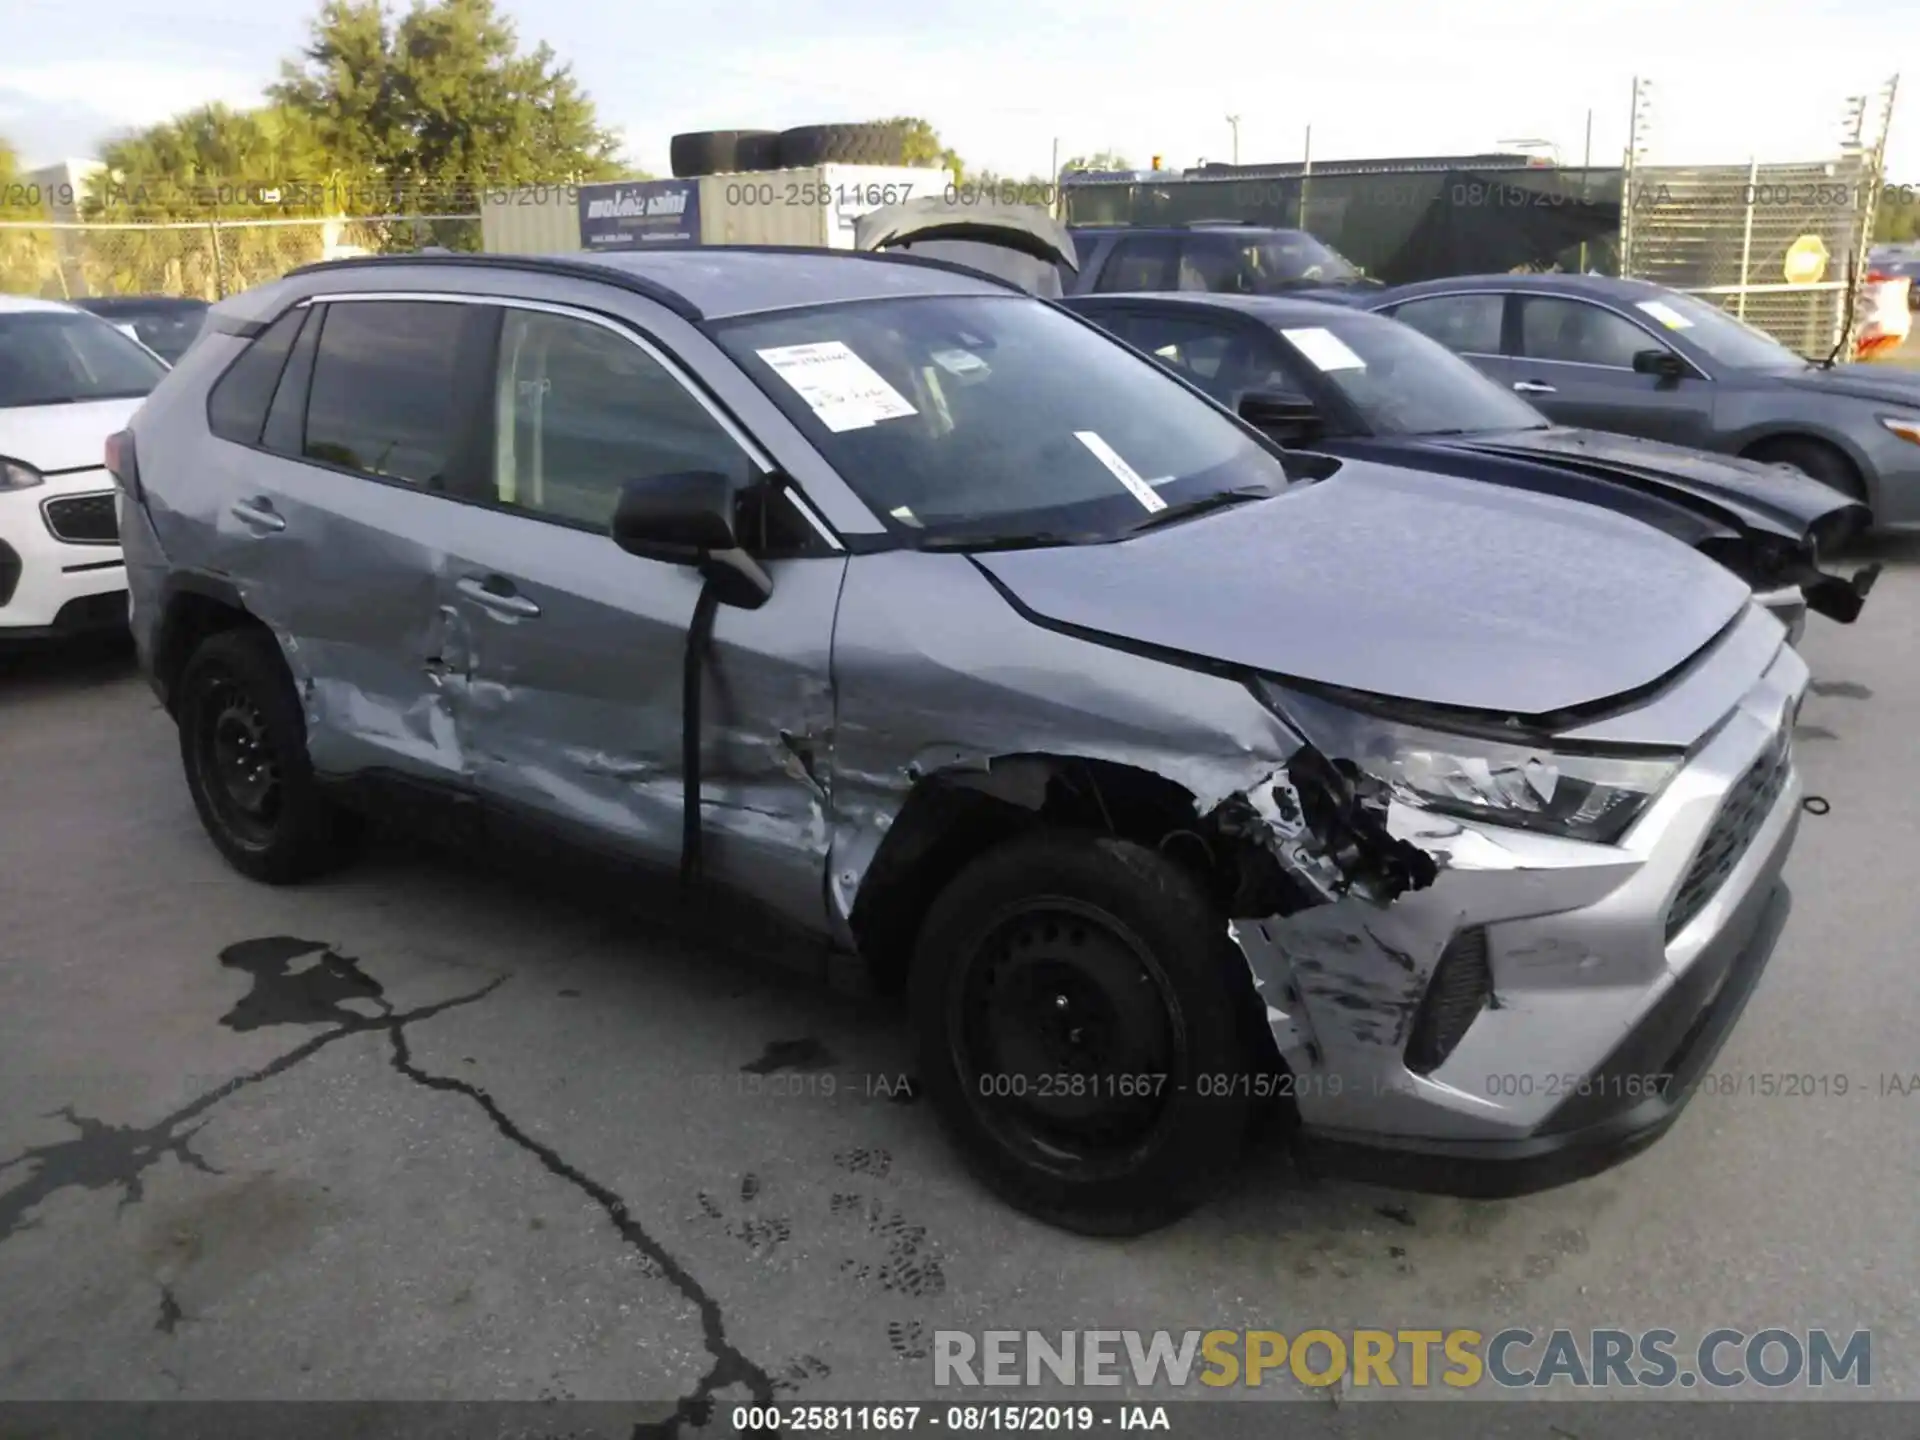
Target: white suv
(68, 380)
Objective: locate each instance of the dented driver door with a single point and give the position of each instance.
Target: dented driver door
(573, 692)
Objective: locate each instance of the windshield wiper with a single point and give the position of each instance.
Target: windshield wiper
(1201, 504)
(1011, 540)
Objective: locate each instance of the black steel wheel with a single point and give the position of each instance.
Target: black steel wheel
(1079, 1009)
(243, 747)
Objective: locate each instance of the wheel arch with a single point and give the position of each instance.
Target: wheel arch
(193, 608)
(1770, 433)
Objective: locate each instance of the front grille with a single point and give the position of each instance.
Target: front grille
(83, 519)
(1461, 987)
(1741, 815)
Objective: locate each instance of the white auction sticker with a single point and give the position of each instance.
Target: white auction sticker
(1666, 314)
(1324, 348)
(1122, 471)
(838, 386)
(958, 362)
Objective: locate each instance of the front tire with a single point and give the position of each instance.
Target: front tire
(1081, 1016)
(243, 744)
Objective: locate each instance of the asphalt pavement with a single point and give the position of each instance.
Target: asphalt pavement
(452, 1126)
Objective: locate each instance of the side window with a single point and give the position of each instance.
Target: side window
(1141, 262)
(386, 397)
(580, 410)
(237, 404)
(1465, 324)
(1211, 262)
(286, 432)
(1573, 330)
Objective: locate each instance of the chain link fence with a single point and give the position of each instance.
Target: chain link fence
(1727, 233)
(203, 259)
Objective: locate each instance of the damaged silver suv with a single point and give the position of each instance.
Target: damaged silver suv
(1169, 774)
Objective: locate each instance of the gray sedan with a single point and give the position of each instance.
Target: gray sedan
(1630, 356)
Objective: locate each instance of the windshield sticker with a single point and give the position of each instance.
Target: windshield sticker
(838, 386)
(963, 363)
(906, 516)
(1122, 471)
(1666, 314)
(1325, 349)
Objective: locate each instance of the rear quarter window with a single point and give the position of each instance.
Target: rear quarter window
(237, 404)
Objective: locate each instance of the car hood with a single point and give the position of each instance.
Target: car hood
(1021, 244)
(1860, 382)
(52, 438)
(1769, 498)
(1402, 583)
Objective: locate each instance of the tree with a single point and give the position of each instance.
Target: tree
(1099, 160)
(27, 264)
(442, 99)
(1897, 219)
(922, 144)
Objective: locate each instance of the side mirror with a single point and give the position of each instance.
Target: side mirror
(687, 518)
(1664, 363)
(1286, 418)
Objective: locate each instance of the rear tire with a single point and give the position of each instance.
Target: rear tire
(243, 744)
(723, 152)
(877, 143)
(1820, 461)
(1081, 1017)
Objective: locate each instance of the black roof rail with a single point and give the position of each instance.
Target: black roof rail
(625, 279)
(891, 257)
(536, 264)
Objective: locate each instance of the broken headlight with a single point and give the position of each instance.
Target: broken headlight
(1581, 796)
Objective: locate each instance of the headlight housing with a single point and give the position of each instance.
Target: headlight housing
(1579, 796)
(18, 475)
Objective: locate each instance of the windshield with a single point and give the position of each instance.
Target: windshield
(167, 333)
(1396, 381)
(995, 416)
(1266, 263)
(1723, 338)
(53, 357)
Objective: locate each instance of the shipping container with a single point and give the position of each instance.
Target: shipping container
(815, 206)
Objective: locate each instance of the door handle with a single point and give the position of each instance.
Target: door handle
(503, 602)
(1533, 387)
(258, 513)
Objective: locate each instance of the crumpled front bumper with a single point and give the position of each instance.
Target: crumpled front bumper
(1813, 590)
(1612, 974)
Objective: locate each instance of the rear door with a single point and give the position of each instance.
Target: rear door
(332, 509)
(1573, 358)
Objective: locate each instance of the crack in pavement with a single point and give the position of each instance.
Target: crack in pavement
(730, 1366)
(104, 1155)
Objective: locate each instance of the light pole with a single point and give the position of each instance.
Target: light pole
(1234, 121)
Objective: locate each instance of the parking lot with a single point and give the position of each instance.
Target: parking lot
(462, 1126)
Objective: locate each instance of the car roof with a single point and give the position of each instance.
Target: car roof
(1273, 309)
(715, 282)
(1594, 287)
(1217, 227)
(139, 304)
(30, 304)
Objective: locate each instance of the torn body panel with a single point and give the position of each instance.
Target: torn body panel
(956, 680)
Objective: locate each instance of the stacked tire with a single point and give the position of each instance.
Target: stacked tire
(724, 152)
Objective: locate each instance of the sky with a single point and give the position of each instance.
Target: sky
(1003, 81)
